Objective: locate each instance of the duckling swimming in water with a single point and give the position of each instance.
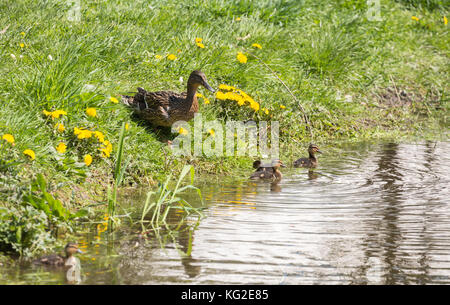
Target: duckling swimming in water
(58, 260)
(163, 108)
(267, 172)
(312, 160)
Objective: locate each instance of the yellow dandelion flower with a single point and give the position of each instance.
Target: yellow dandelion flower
(100, 136)
(282, 106)
(198, 40)
(85, 134)
(212, 132)
(246, 96)
(22, 45)
(445, 20)
(29, 153)
(158, 56)
(257, 45)
(266, 111)
(102, 227)
(127, 126)
(200, 45)
(199, 95)
(241, 58)
(8, 138)
(82, 133)
(414, 18)
(238, 18)
(106, 150)
(54, 114)
(60, 127)
(57, 113)
(182, 131)
(220, 95)
(171, 57)
(61, 148)
(254, 106)
(114, 100)
(206, 101)
(92, 112)
(226, 87)
(22, 33)
(88, 159)
(227, 95)
(239, 99)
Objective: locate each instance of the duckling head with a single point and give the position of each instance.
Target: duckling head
(313, 148)
(197, 77)
(277, 163)
(71, 249)
(257, 164)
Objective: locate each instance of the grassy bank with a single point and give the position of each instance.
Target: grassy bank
(354, 78)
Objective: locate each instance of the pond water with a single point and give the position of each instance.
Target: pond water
(369, 214)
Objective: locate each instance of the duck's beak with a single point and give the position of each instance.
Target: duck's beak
(282, 165)
(319, 151)
(207, 86)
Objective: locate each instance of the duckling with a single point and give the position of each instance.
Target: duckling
(259, 166)
(58, 260)
(163, 108)
(267, 172)
(312, 160)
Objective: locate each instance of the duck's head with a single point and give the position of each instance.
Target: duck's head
(197, 77)
(257, 164)
(71, 249)
(313, 148)
(277, 164)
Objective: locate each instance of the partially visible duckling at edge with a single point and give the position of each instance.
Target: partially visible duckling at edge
(312, 160)
(59, 260)
(269, 172)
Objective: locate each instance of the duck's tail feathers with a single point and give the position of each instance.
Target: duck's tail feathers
(141, 90)
(133, 101)
(128, 100)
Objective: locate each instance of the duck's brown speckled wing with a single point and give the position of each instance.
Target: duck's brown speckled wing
(152, 100)
(160, 107)
(52, 259)
(263, 173)
(305, 162)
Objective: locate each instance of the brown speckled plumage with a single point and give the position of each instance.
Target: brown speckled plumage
(267, 172)
(56, 259)
(163, 108)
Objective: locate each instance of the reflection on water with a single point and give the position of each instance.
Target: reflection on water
(73, 273)
(370, 214)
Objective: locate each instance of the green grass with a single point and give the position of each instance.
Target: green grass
(324, 51)
(156, 210)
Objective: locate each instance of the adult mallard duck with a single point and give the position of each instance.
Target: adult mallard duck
(59, 260)
(163, 108)
(312, 160)
(267, 171)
